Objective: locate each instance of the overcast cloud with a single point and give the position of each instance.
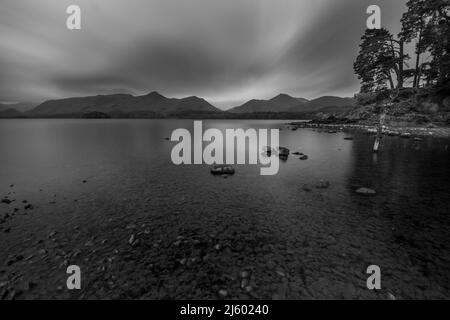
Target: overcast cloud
(226, 51)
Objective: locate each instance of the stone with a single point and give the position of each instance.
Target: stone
(132, 239)
(306, 188)
(177, 243)
(323, 184)
(244, 283)
(223, 293)
(366, 191)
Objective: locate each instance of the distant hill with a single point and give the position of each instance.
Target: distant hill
(152, 104)
(10, 113)
(325, 104)
(284, 103)
(22, 106)
(280, 103)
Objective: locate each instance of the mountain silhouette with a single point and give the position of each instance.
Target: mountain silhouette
(280, 103)
(326, 103)
(153, 103)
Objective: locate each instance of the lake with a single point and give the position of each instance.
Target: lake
(97, 186)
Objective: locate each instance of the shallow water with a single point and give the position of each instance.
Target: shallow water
(297, 241)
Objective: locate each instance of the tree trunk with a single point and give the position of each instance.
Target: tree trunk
(391, 81)
(417, 74)
(401, 59)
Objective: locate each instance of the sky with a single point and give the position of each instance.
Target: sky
(226, 51)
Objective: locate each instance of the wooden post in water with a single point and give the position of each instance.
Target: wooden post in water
(376, 145)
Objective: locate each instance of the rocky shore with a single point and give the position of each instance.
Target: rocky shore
(404, 131)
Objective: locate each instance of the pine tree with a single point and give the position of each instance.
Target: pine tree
(380, 61)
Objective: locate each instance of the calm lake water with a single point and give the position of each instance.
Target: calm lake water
(322, 239)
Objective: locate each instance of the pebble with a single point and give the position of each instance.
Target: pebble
(281, 274)
(177, 243)
(132, 239)
(223, 293)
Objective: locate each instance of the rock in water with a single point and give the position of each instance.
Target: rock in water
(221, 169)
(304, 157)
(323, 184)
(223, 293)
(366, 191)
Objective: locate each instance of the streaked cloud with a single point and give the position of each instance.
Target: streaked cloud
(226, 51)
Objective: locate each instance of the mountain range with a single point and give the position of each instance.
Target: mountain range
(116, 104)
(21, 107)
(287, 104)
(156, 105)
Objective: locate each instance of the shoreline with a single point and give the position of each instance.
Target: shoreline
(394, 131)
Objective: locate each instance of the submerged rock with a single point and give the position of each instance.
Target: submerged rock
(304, 157)
(223, 293)
(323, 184)
(366, 191)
